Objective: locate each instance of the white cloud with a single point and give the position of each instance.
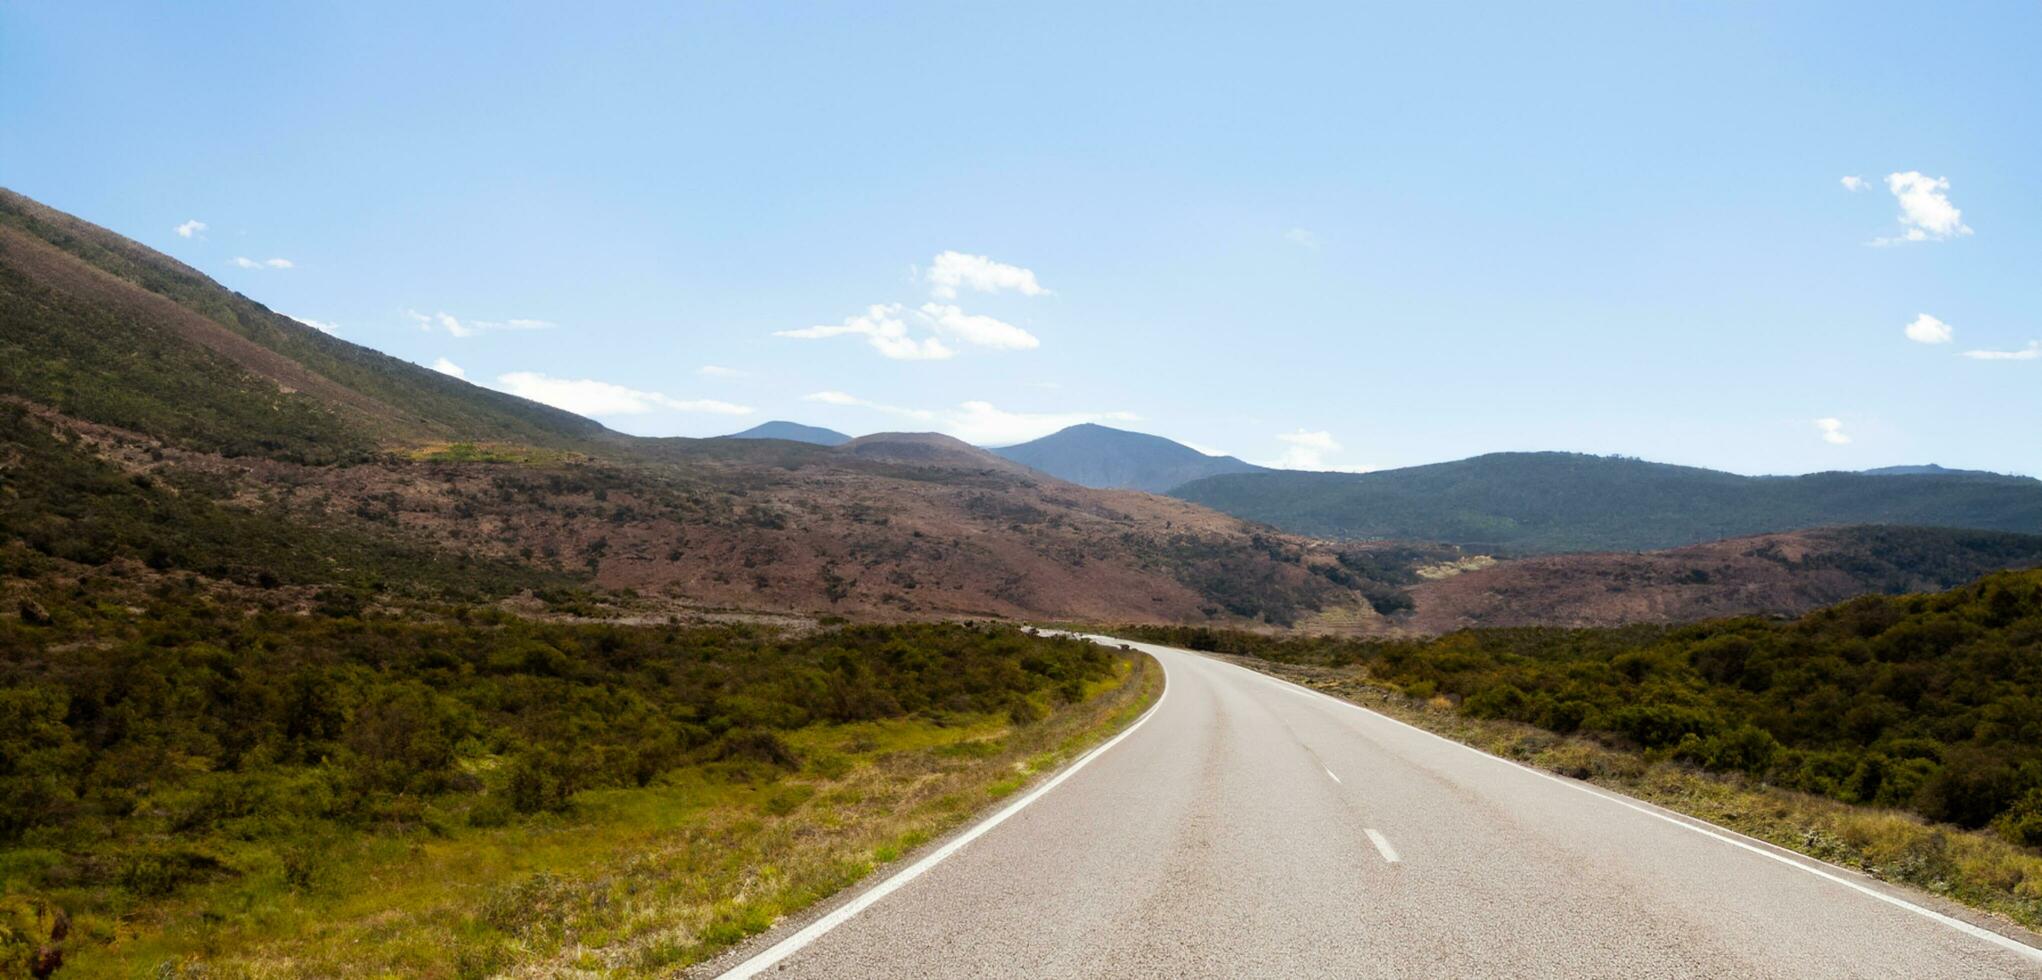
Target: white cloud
(983, 424)
(1308, 450)
(448, 367)
(243, 262)
(978, 422)
(1926, 213)
(973, 328)
(719, 371)
(457, 327)
(191, 229)
(1856, 184)
(1207, 450)
(951, 270)
(882, 327)
(2029, 353)
(1302, 236)
(319, 325)
(1928, 330)
(847, 400)
(586, 397)
(1832, 432)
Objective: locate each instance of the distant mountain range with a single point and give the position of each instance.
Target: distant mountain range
(1932, 469)
(1098, 456)
(792, 432)
(1542, 503)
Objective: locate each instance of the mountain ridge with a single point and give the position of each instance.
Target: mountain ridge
(1543, 503)
(1100, 456)
(792, 432)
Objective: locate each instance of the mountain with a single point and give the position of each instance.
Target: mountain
(792, 432)
(1098, 456)
(155, 425)
(1542, 503)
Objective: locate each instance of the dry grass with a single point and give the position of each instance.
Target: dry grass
(631, 882)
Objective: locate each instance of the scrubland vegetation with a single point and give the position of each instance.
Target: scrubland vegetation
(192, 782)
(1898, 734)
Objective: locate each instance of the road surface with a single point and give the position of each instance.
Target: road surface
(1250, 828)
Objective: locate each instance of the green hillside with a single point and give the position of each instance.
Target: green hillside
(1531, 503)
(110, 331)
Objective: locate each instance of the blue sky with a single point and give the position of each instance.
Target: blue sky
(1329, 235)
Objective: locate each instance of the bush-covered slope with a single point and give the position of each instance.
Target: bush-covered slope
(1931, 703)
(1532, 503)
(189, 780)
(109, 330)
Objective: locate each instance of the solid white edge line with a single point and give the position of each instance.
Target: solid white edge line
(1699, 826)
(772, 955)
(1382, 845)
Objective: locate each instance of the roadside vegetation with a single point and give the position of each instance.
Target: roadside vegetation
(1902, 736)
(188, 784)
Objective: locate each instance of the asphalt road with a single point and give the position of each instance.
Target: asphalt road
(1251, 828)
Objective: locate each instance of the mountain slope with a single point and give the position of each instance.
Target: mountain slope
(1098, 456)
(1534, 503)
(792, 432)
(110, 331)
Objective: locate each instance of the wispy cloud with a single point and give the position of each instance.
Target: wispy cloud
(2029, 353)
(1926, 213)
(843, 399)
(1832, 431)
(244, 262)
(1307, 449)
(977, 329)
(191, 229)
(583, 396)
(1856, 184)
(882, 327)
(1928, 330)
(448, 367)
(457, 327)
(319, 325)
(1302, 236)
(952, 270)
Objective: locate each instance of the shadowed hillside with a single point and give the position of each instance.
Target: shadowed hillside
(1535, 503)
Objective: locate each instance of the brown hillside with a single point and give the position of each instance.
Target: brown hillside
(1770, 574)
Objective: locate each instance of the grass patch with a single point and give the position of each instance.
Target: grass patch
(627, 881)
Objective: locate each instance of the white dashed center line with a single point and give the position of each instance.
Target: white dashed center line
(1382, 846)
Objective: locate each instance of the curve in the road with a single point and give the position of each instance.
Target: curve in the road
(1246, 826)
